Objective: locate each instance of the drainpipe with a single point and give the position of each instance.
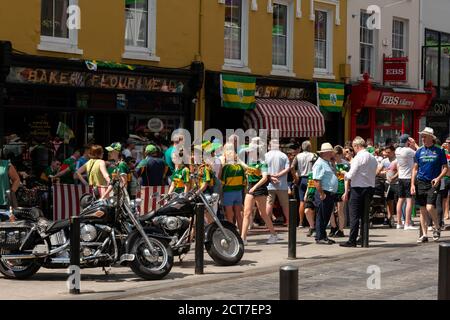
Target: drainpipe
(421, 43)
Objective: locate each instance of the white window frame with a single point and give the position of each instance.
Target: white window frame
(327, 73)
(64, 45)
(240, 65)
(148, 53)
(405, 36)
(287, 70)
(374, 62)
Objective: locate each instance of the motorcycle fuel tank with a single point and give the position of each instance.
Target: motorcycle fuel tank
(177, 207)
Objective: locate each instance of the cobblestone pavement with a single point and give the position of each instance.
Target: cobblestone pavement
(407, 273)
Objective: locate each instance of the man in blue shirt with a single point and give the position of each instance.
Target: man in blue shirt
(429, 168)
(151, 169)
(326, 184)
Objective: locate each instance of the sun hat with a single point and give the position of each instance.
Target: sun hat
(326, 147)
(428, 131)
(116, 146)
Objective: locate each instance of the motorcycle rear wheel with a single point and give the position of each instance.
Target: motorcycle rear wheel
(151, 267)
(21, 270)
(222, 252)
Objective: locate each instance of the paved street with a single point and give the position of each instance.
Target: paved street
(408, 271)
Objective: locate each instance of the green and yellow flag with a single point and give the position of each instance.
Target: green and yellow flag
(331, 96)
(238, 92)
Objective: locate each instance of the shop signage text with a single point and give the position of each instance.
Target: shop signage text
(388, 100)
(441, 109)
(395, 69)
(94, 80)
(274, 92)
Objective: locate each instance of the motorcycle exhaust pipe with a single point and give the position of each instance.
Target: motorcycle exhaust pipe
(18, 256)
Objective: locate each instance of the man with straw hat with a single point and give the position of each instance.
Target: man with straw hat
(429, 168)
(326, 184)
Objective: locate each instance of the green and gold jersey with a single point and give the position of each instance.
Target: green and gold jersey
(233, 177)
(255, 172)
(181, 178)
(341, 168)
(310, 194)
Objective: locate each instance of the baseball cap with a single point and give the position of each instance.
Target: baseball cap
(116, 146)
(150, 148)
(403, 139)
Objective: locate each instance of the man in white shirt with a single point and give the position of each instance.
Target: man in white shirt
(278, 168)
(405, 162)
(361, 180)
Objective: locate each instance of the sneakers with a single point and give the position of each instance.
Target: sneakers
(325, 241)
(273, 238)
(339, 234)
(436, 234)
(422, 239)
(348, 244)
(310, 233)
(430, 228)
(410, 228)
(399, 226)
(245, 242)
(333, 232)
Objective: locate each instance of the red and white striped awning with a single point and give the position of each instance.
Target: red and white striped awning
(294, 118)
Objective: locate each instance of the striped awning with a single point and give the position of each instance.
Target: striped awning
(294, 118)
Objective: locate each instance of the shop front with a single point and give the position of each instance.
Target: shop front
(289, 105)
(94, 102)
(385, 113)
(438, 118)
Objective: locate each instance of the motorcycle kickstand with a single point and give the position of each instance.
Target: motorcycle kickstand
(107, 270)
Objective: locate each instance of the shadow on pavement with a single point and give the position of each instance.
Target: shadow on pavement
(393, 245)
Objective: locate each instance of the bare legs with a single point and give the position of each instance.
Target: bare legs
(249, 203)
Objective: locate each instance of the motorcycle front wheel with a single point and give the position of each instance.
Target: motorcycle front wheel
(223, 252)
(18, 269)
(148, 265)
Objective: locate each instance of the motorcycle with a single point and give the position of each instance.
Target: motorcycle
(110, 234)
(176, 218)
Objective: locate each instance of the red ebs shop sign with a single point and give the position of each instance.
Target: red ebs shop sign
(394, 69)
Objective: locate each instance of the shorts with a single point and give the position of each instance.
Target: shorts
(404, 188)
(302, 188)
(261, 191)
(426, 194)
(282, 196)
(393, 192)
(232, 198)
(310, 205)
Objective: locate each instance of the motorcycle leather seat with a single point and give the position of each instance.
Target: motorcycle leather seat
(58, 225)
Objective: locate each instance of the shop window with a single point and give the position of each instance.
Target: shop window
(389, 125)
(236, 34)
(367, 46)
(140, 30)
(399, 36)
(445, 69)
(282, 32)
(432, 65)
(323, 43)
(55, 33)
(383, 117)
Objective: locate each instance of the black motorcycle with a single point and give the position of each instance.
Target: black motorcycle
(176, 218)
(110, 234)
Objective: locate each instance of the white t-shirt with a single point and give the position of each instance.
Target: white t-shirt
(277, 161)
(405, 162)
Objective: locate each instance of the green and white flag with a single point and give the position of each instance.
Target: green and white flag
(64, 132)
(331, 96)
(238, 92)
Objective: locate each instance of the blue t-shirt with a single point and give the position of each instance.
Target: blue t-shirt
(430, 162)
(322, 171)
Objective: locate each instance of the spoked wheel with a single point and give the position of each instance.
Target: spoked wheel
(151, 265)
(224, 252)
(18, 269)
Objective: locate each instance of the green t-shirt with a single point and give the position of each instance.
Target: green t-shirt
(310, 194)
(255, 172)
(180, 178)
(68, 177)
(121, 168)
(340, 168)
(4, 181)
(48, 172)
(233, 177)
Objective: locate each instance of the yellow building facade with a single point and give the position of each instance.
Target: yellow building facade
(177, 33)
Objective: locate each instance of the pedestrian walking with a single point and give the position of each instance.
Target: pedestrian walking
(360, 182)
(342, 166)
(326, 184)
(405, 154)
(429, 169)
(387, 171)
(152, 169)
(257, 178)
(278, 168)
(301, 167)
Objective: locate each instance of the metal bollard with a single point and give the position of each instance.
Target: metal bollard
(75, 255)
(199, 238)
(292, 246)
(444, 272)
(288, 283)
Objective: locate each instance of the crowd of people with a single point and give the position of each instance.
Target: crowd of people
(333, 185)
